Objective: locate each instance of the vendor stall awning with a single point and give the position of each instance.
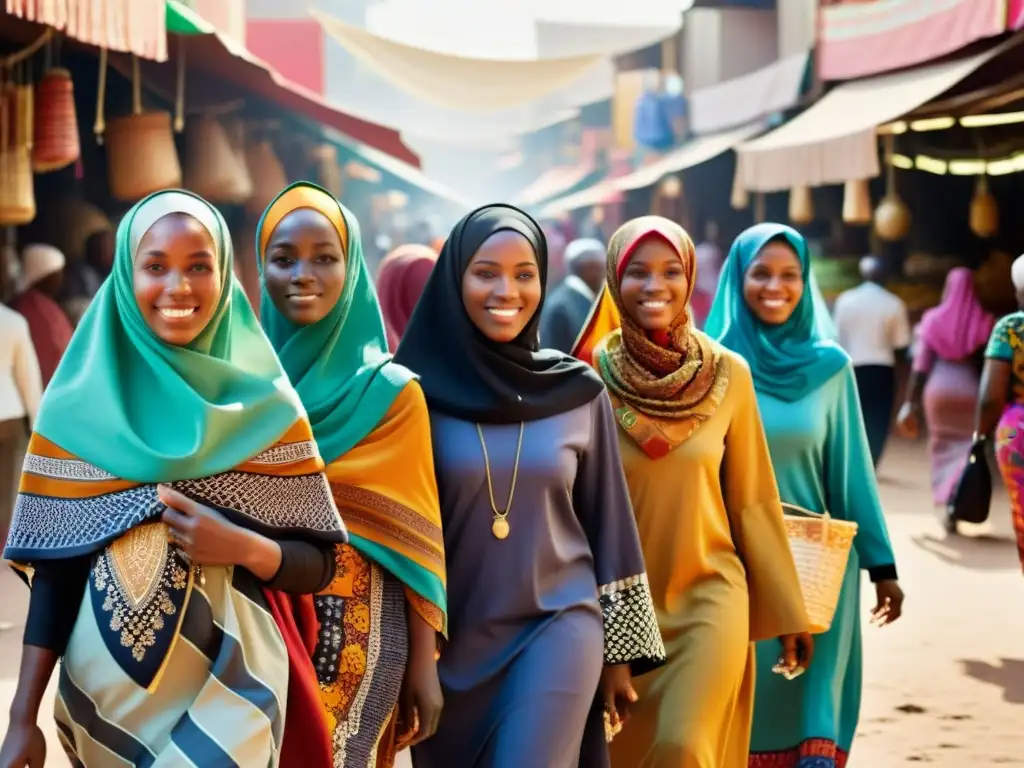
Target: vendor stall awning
(128, 26)
(218, 56)
(693, 153)
(399, 169)
(470, 84)
(833, 141)
(753, 96)
(554, 181)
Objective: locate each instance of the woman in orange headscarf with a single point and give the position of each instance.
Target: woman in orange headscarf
(706, 504)
(400, 280)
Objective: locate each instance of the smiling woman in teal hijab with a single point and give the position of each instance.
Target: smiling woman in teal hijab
(171, 493)
(768, 309)
(787, 360)
(370, 420)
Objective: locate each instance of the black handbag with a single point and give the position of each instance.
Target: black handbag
(973, 495)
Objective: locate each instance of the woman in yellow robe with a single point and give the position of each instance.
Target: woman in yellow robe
(706, 504)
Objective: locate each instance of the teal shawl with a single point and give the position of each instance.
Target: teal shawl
(340, 366)
(788, 361)
(146, 411)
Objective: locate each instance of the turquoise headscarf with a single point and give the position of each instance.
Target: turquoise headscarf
(147, 411)
(340, 366)
(788, 361)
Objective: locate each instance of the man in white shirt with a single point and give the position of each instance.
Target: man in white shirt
(20, 390)
(875, 330)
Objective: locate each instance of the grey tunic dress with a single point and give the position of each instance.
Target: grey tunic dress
(533, 618)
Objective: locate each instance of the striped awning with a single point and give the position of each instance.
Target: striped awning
(128, 26)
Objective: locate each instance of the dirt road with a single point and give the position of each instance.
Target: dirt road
(944, 686)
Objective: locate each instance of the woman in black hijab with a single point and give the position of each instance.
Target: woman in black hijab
(548, 598)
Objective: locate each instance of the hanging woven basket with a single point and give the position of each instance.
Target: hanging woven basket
(857, 202)
(212, 167)
(55, 143)
(17, 192)
(268, 174)
(801, 205)
(141, 156)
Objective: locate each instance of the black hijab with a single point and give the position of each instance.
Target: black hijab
(466, 375)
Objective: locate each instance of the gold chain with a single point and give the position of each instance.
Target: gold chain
(487, 470)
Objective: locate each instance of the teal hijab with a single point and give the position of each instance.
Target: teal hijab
(340, 366)
(147, 411)
(788, 361)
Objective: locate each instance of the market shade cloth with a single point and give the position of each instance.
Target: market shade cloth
(554, 181)
(473, 85)
(128, 26)
(401, 170)
(743, 100)
(834, 141)
(212, 53)
(860, 39)
(693, 153)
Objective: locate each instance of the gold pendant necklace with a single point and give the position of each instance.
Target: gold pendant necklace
(500, 527)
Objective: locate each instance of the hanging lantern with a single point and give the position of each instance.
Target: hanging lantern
(55, 143)
(984, 215)
(671, 188)
(857, 202)
(801, 205)
(212, 168)
(17, 191)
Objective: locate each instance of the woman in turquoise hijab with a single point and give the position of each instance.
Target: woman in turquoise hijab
(380, 615)
(769, 310)
(171, 493)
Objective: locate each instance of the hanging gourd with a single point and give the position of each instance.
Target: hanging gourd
(56, 143)
(857, 202)
(801, 205)
(212, 167)
(141, 156)
(892, 217)
(984, 215)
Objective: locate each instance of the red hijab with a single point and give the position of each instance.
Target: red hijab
(400, 281)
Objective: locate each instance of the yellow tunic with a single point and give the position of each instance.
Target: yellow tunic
(721, 575)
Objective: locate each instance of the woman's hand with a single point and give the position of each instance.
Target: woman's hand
(797, 652)
(420, 702)
(202, 533)
(908, 421)
(889, 605)
(208, 538)
(618, 693)
(24, 746)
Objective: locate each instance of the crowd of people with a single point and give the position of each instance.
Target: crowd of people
(439, 509)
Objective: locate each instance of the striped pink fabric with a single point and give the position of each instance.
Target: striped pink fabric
(859, 38)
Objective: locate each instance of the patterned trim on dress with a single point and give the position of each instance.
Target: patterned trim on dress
(631, 632)
(64, 469)
(377, 511)
(812, 753)
(287, 453)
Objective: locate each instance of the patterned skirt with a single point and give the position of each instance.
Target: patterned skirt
(1010, 455)
(360, 674)
(131, 696)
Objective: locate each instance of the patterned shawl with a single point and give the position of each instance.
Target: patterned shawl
(663, 388)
